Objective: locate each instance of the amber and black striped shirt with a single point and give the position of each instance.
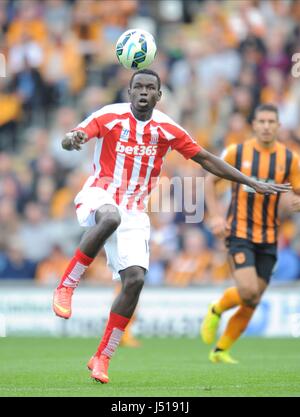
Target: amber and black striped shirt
(254, 216)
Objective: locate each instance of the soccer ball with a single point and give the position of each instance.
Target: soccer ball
(136, 49)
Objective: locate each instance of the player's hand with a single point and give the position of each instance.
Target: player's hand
(218, 226)
(267, 188)
(77, 139)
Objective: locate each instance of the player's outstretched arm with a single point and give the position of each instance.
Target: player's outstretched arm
(74, 140)
(222, 169)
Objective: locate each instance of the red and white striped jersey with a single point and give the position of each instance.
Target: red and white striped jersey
(129, 153)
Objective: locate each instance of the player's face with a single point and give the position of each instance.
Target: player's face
(144, 92)
(266, 126)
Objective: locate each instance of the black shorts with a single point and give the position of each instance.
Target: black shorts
(262, 256)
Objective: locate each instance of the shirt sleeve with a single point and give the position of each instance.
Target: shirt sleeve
(294, 177)
(229, 154)
(90, 126)
(185, 145)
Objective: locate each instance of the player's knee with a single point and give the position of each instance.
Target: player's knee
(110, 219)
(250, 297)
(134, 280)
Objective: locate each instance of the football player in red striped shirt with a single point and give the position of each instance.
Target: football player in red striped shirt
(132, 140)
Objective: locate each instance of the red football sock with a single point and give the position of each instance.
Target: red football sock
(76, 268)
(113, 333)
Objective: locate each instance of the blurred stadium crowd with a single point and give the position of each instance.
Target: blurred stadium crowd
(217, 61)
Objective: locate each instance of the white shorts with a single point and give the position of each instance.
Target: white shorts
(129, 244)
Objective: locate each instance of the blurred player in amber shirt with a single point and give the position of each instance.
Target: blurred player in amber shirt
(251, 227)
(192, 263)
(55, 264)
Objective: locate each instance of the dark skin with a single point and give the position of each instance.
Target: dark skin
(144, 93)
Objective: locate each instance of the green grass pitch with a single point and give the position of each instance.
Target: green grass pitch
(161, 367)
